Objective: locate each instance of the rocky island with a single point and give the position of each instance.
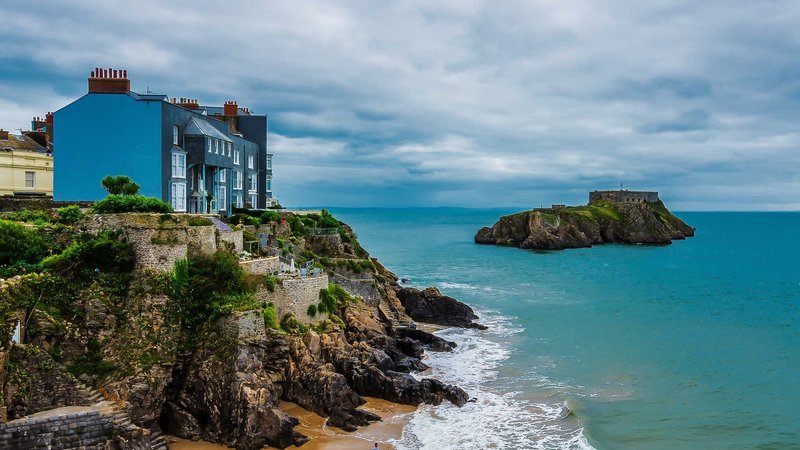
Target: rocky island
(118, 327)
(630, 217)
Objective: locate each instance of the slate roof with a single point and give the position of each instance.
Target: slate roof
(15, 142)
(199, 127)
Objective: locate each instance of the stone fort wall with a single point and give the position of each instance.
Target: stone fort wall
(624, 196)
(294, 295)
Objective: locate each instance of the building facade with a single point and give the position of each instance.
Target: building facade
(26, 166)
(624, 196)
(201, 159)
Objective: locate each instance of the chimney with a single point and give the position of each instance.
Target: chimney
(109, 81)
(3, 134)
(189, 103)
(231, 109)
(50, 124)
(39, 136)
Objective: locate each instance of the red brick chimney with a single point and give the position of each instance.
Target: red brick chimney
(231, 109)
(189, 103)
(109, 81)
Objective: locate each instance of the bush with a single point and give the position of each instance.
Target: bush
(19, 243)
(290, 325)
(104, 252)
(199, 222)
(269, 282)
(244, 219)
(312, 310)
(332, 298)
(120, 185)
(270, 317)
(36, 216)
(69, 214)
(130, 203)
(270, 216)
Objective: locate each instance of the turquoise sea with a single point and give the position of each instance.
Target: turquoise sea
(695, 345)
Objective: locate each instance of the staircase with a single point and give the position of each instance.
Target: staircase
(395, 317)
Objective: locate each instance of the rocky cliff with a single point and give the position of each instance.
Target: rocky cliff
(194, 352)
(583, 226)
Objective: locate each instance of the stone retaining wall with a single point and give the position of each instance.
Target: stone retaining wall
(245, 326)
(294, 295)
(201, 240)
(262, 266)
(230, 240)
(84, 429)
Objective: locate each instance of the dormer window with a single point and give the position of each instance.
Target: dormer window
(175, 135)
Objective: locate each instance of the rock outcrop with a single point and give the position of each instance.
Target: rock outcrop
(431, 306)
(583, 226)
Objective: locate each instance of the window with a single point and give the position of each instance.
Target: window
(253, 182)
(253, 201)
(229, 148)
(175, 135)
(222, 175)
(216, 146)
(222, 198)
(178, 165)
(237, 179)
(237, 200)
(209, 145)
(236, 157)
(269, 184)
(269, 163)
(250, 160)
(30, 179)
(179, 196)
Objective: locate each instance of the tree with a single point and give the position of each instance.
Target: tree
(120, 185)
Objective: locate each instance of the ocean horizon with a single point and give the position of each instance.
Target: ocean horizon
(690, 345)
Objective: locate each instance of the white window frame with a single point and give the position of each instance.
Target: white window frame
(269, 163)
(269, 184)
(177, 200)
(237, 179)
(253, 187)
(253, 200)
(175, 131)
(229, 148)
(236, 157)
(250, 162)
(30, 183)
(209, 145)
(178, 165)
(222, 198)
(216, 146)
(237, 199)
(222, 176)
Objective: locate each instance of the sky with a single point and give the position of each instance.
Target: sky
(455, 103)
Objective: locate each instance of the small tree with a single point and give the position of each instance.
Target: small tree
(120, 185)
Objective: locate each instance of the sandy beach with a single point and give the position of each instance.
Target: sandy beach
(394, 416)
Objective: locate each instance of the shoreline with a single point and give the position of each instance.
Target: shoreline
(394, 417)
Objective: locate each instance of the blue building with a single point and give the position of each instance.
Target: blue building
(202, 159)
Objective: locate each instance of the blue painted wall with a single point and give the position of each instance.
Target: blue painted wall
(107, 134)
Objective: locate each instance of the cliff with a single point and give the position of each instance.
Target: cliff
(600, 222)
(164, 318)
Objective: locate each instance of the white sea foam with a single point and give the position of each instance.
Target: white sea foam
(497, 419)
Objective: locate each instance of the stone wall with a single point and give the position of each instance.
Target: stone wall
(230, 240)
(157, 249)
(36, 383)
(244, 326)
(624, 196)
(201, 240)
(262, 266)
(294, 295)
(77, 428)
(364, 287)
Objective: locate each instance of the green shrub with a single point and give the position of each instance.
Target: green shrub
(270, 281)
(332, 298)
(249, 236)
(104, 252)
(199, 222)
(120, 185)
(312, 310)
(91, 362)
(290, 325)
(270, 216)
(270, 317)
(35, 216)
(130, 203)
(244, 219)
(69, 214)
(20, 243)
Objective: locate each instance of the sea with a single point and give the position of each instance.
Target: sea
(694, 345)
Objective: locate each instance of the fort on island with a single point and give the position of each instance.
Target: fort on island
(624, 196)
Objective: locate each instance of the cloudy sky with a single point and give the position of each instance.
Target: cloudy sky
(462, 103)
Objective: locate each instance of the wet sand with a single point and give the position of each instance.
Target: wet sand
(394, 416)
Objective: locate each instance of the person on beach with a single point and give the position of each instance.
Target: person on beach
(376, 447)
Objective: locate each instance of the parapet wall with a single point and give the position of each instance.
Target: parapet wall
(83, 428)
(295, 295)
(261, 266)
(624, 196)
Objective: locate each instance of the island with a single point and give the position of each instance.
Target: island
(619, 216)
